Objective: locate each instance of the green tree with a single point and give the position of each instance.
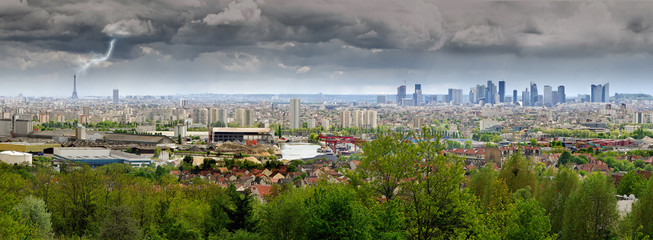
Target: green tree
(285, 215)
(631, 183)
(529, 221)
(386, 162)
(120, 225)
(642, 212)
(591, 211)
(555, 195)
(468, 144)
(564, 158)
(331, 212)
(35, 213)
(75, 210)
(518, 172)
(483, 184)
(435, 206)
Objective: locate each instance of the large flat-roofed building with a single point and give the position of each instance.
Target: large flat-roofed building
(28, 147)
(12, 157)
(153, 140)
(261, 135)
(99, 156)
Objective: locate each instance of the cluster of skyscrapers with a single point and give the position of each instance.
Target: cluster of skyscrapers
(416, 100)
(493, 94)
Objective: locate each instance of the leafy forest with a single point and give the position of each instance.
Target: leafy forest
(400, 190)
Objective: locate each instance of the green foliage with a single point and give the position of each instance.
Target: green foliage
(529, 221)
(188, 159)
(120, 225)
(483, 185)
(331, 212)
(555, 196)
(631, 183)
(518, 172)
(591, 211)
(642, 212)
(33, 211)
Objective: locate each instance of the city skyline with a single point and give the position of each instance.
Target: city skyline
(252, 46)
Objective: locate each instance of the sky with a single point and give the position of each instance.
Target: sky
(168, 47)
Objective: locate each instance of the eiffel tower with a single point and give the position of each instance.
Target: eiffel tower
(74, 86)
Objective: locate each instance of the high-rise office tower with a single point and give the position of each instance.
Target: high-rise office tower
(472, 95)
(548, 95)
(490, 93)
(401, 94)
(562, 98)
(526, 98)
(514, 96)
(116, 96)
(294, 113)
(74, 87)
(600, 93)
(380, 99)
(480, 93)
(417, 96)
(533, 94)
(606, 92)
(555, 98)
(502, 91)
(455, 96)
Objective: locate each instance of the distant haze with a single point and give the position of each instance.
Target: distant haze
(166, 47)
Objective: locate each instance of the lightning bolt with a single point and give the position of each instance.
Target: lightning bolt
(98, 60)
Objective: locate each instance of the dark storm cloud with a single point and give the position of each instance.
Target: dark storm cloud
(309, 39)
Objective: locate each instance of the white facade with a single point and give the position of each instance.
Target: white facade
(239, 117)
(249, 118)
(345, 119)
(12, 157)
(180, 130)
(295, 113)
(548, 95)
(222, 115)
(213, 115)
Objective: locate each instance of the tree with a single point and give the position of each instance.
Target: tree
(518, 172)
(331, 212)
(75, 209)
(34, 212)
(591, 211)
(631, 183)
(642, 213)
(179, 139)
(120, 225)
(188, 159)
(564, 158)
(435, 205)
(468, 144)
(529, 221)
(285, 214)
(483, 184)
(386, 162)
(555, 195)
(157, 152)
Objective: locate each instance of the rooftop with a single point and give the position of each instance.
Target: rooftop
(242, 130)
